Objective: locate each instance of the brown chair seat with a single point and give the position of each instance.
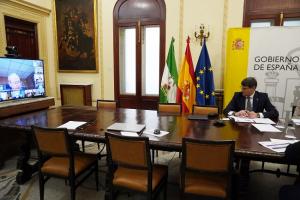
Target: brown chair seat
(130, 167)
(208, 185)
(60, 165)
(137, 179)
(57, 158)
(206, 168)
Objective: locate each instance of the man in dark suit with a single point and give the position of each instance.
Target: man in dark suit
(250, 103)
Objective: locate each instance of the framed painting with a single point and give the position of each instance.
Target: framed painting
(76, 25)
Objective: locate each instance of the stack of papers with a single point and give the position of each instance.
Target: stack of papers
(263, 121)
(277, 145)
(241, 119)
(266, 128)
(296, 121)
(255, 120)
(71, 125)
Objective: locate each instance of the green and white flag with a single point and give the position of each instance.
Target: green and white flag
(168, 85)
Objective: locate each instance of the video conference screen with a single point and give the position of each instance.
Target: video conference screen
(21, 78)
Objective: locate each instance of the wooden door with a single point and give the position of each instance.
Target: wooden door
(23, 35)
(139, 52)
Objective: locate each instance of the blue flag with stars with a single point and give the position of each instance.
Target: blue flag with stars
(205, 88)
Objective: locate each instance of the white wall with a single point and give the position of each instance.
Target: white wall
(209, 13)
(219, 15)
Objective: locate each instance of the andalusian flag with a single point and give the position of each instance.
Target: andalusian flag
(168, 85)
(186, 82)
(205, 87)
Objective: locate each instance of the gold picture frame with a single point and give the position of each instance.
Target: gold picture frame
(76, 35)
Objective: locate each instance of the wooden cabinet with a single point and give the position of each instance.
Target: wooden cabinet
(19, 106)
(76, 94)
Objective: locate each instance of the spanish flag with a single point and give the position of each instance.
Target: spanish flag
(186, 82)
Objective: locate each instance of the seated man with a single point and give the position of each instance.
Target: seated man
(250, 103)
(16, 86)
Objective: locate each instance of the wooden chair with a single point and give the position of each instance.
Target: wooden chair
(130, 166)
(205, 110)
(173, 108)
(102, 104)
(107, 104)
(167, 108)
(206, 168)
(56, 158)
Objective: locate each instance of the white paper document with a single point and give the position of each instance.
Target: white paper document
(241, 119)
(151, 132)
(280, 140)
(130, 127)
(279, 126)
(263, 121)
(277, 145)
(296, 121)
(255, 120)
(129, 134)
(71, 125)
(266, 128)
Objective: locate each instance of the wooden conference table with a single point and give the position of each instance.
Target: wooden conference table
(245, 135)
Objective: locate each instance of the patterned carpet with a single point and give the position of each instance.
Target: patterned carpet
(261, 187)
(9, 189)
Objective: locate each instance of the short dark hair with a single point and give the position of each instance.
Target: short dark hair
(249, 82)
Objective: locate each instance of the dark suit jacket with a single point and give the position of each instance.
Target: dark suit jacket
(292, 153)
(261, 104)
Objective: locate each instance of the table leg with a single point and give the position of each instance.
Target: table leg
(244, 176)
(1, 164)
(26, 169)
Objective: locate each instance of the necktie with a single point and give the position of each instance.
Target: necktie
(248, 106)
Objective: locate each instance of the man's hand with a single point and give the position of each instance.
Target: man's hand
(242, 113)
(252, 114)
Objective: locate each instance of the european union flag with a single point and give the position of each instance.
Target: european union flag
(205, 88)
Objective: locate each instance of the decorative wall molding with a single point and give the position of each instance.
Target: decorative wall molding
(224, 41)
(26, 5)
(100, 46)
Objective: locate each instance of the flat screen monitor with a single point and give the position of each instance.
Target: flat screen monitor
(21, 78)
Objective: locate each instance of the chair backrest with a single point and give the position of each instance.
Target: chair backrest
(208, 156)
(293, 110)
(169, 108)
(132, 152)
(52, 141)
(108, 104)
(205, 110)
